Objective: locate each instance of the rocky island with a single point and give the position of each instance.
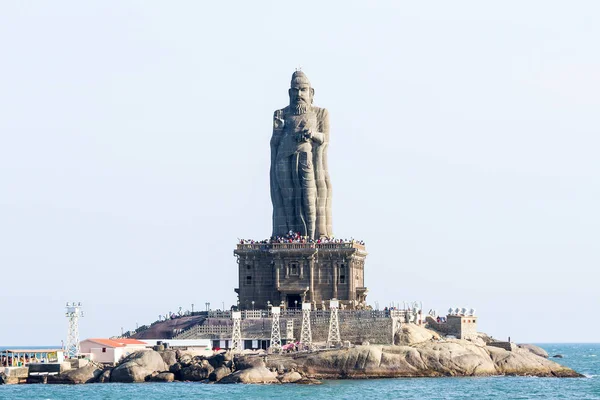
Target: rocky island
(420, 353)
(304, 279)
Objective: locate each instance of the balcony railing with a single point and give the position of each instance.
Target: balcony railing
(286, 246)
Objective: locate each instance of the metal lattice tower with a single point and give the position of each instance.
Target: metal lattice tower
(73, 313)
(306, 334)
(334, 324)
(275, 333)
(236, 337)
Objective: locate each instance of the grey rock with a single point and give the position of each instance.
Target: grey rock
(175, 368)
(290, 377)
(196, 372)
(218, 374)
(87, 374)
(411, 334)
(163, 377)
(185, 359)
(217, 360)
(105, 376)
(169, 357)
(137, 366)
(431, 358)
(245, 362)
(308, 381)
(538, 351)
(251, 375)
(228, 355)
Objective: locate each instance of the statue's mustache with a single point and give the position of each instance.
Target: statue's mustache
(298, 100)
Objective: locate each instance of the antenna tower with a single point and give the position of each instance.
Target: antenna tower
(334, 324)
(306, 334)
(275, 333)
(236, 339)
(73, 313)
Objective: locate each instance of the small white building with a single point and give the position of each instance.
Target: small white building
(110, 351)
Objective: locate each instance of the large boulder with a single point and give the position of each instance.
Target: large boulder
(252, 375)
(87, 374)
(196, 372)
(185, 359)
(431, 358)
(105, 376)
(137, 366)
(538, 351)
(217, 360)
(412, 334)
(218, 374)
(169, 357)
(163, 377)
(525, 363)
(248, 361)
(290, 377)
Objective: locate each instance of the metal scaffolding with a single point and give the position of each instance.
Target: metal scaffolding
(306, 334)
(334, 325)
(275, 331)
(236, 339)
(73, 313)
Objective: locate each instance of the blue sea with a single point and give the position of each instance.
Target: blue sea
(584, 358)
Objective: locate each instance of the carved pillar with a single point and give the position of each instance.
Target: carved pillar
(334, 272)
(275, 266)
(351, 278)
(311, 262)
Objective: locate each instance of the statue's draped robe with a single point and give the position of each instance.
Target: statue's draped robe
(282, 222)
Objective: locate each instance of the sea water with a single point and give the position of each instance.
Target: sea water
(583, 358)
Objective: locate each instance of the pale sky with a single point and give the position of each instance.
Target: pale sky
(135, 151)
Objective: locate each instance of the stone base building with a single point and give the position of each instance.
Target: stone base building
(461, 326)
(289, 273)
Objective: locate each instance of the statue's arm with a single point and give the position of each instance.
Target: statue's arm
(321, 135)
(278, 123)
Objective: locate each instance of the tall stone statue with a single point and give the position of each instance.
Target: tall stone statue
(300, 187)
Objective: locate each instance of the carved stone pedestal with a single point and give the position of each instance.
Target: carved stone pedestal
(289, 273)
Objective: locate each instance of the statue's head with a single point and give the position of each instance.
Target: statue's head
(301, 94)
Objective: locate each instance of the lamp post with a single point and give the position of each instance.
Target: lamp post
(252, 305)
(192, 308)
(207, 304)
(296, 304)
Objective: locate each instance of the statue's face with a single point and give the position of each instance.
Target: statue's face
(300, 94)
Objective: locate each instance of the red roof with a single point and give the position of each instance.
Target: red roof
(116, 342)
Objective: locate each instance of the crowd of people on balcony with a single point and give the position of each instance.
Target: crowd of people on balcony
(296, 237)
